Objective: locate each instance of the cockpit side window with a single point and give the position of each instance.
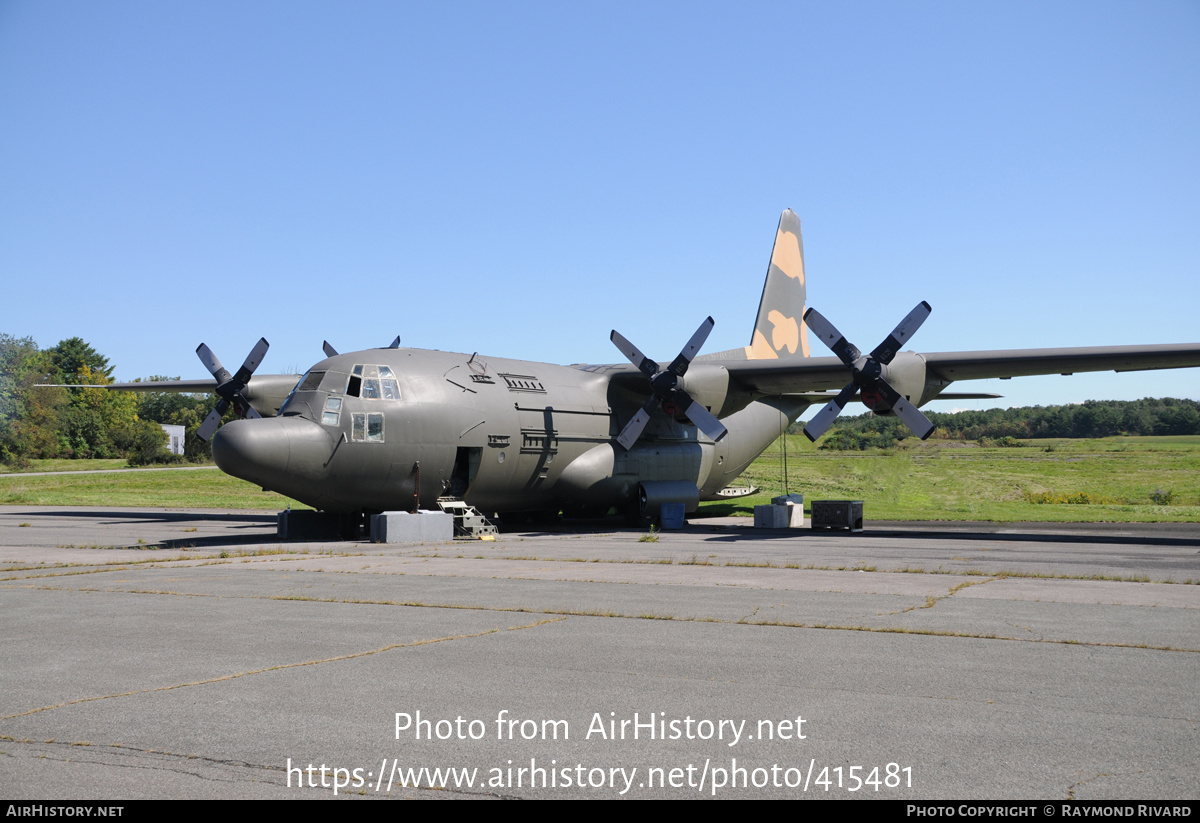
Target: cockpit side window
(311, 381)
(332, 413)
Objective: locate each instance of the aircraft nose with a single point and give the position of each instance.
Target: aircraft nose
(274, 452)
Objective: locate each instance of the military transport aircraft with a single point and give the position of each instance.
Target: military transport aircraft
(387, 428)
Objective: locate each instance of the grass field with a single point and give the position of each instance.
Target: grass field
(1109, 480)
(207, 488)
(64, 466)
(951, 480)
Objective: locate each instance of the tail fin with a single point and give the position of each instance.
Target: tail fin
(780, 330)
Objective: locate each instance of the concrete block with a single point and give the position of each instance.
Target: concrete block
(786, 515)
(404, 527)
(771, 517)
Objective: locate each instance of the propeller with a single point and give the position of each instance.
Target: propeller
(230, 387)
(666, 390)
(868, 373)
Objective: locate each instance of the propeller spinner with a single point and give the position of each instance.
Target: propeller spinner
(666, 390)
(230, 388)
(868, 373)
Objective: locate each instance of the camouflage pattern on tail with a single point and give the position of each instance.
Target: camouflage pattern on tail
(780, 330)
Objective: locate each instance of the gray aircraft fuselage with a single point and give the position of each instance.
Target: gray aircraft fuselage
(369, 430)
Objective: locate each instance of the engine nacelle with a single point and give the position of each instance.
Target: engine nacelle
(905, 374)
(710, 386)
(908, 375)
(266, 392)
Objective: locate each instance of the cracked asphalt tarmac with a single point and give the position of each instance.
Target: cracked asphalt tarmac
(192, 654)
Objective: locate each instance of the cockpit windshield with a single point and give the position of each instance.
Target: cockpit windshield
(373, 383)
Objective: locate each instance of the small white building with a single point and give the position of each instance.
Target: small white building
(174, 438)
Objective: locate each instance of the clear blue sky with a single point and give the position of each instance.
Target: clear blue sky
(520, 178)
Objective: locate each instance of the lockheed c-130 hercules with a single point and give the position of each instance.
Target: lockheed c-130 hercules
(384, 429)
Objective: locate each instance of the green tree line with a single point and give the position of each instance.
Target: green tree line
(1094, 418)
(39, 422)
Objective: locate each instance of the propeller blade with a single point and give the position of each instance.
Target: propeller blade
(846, 351)
(213, 420)
(886, 350)
(679, 365)
(213, 365)
(251, 412)
(824, 418)
(906, 411)
(252, 360)
(644, 364)
(633, 429)
(705, 420)
(330, 351)
(914, 419)
(395, 343)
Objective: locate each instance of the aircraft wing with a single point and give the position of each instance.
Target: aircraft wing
(1024, 362)
(812, 374)
(205, 386)
(172, 386)
(266, 392)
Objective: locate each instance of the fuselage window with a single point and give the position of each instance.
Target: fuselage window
(311, 381)
(367, 428)
(333, 411)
